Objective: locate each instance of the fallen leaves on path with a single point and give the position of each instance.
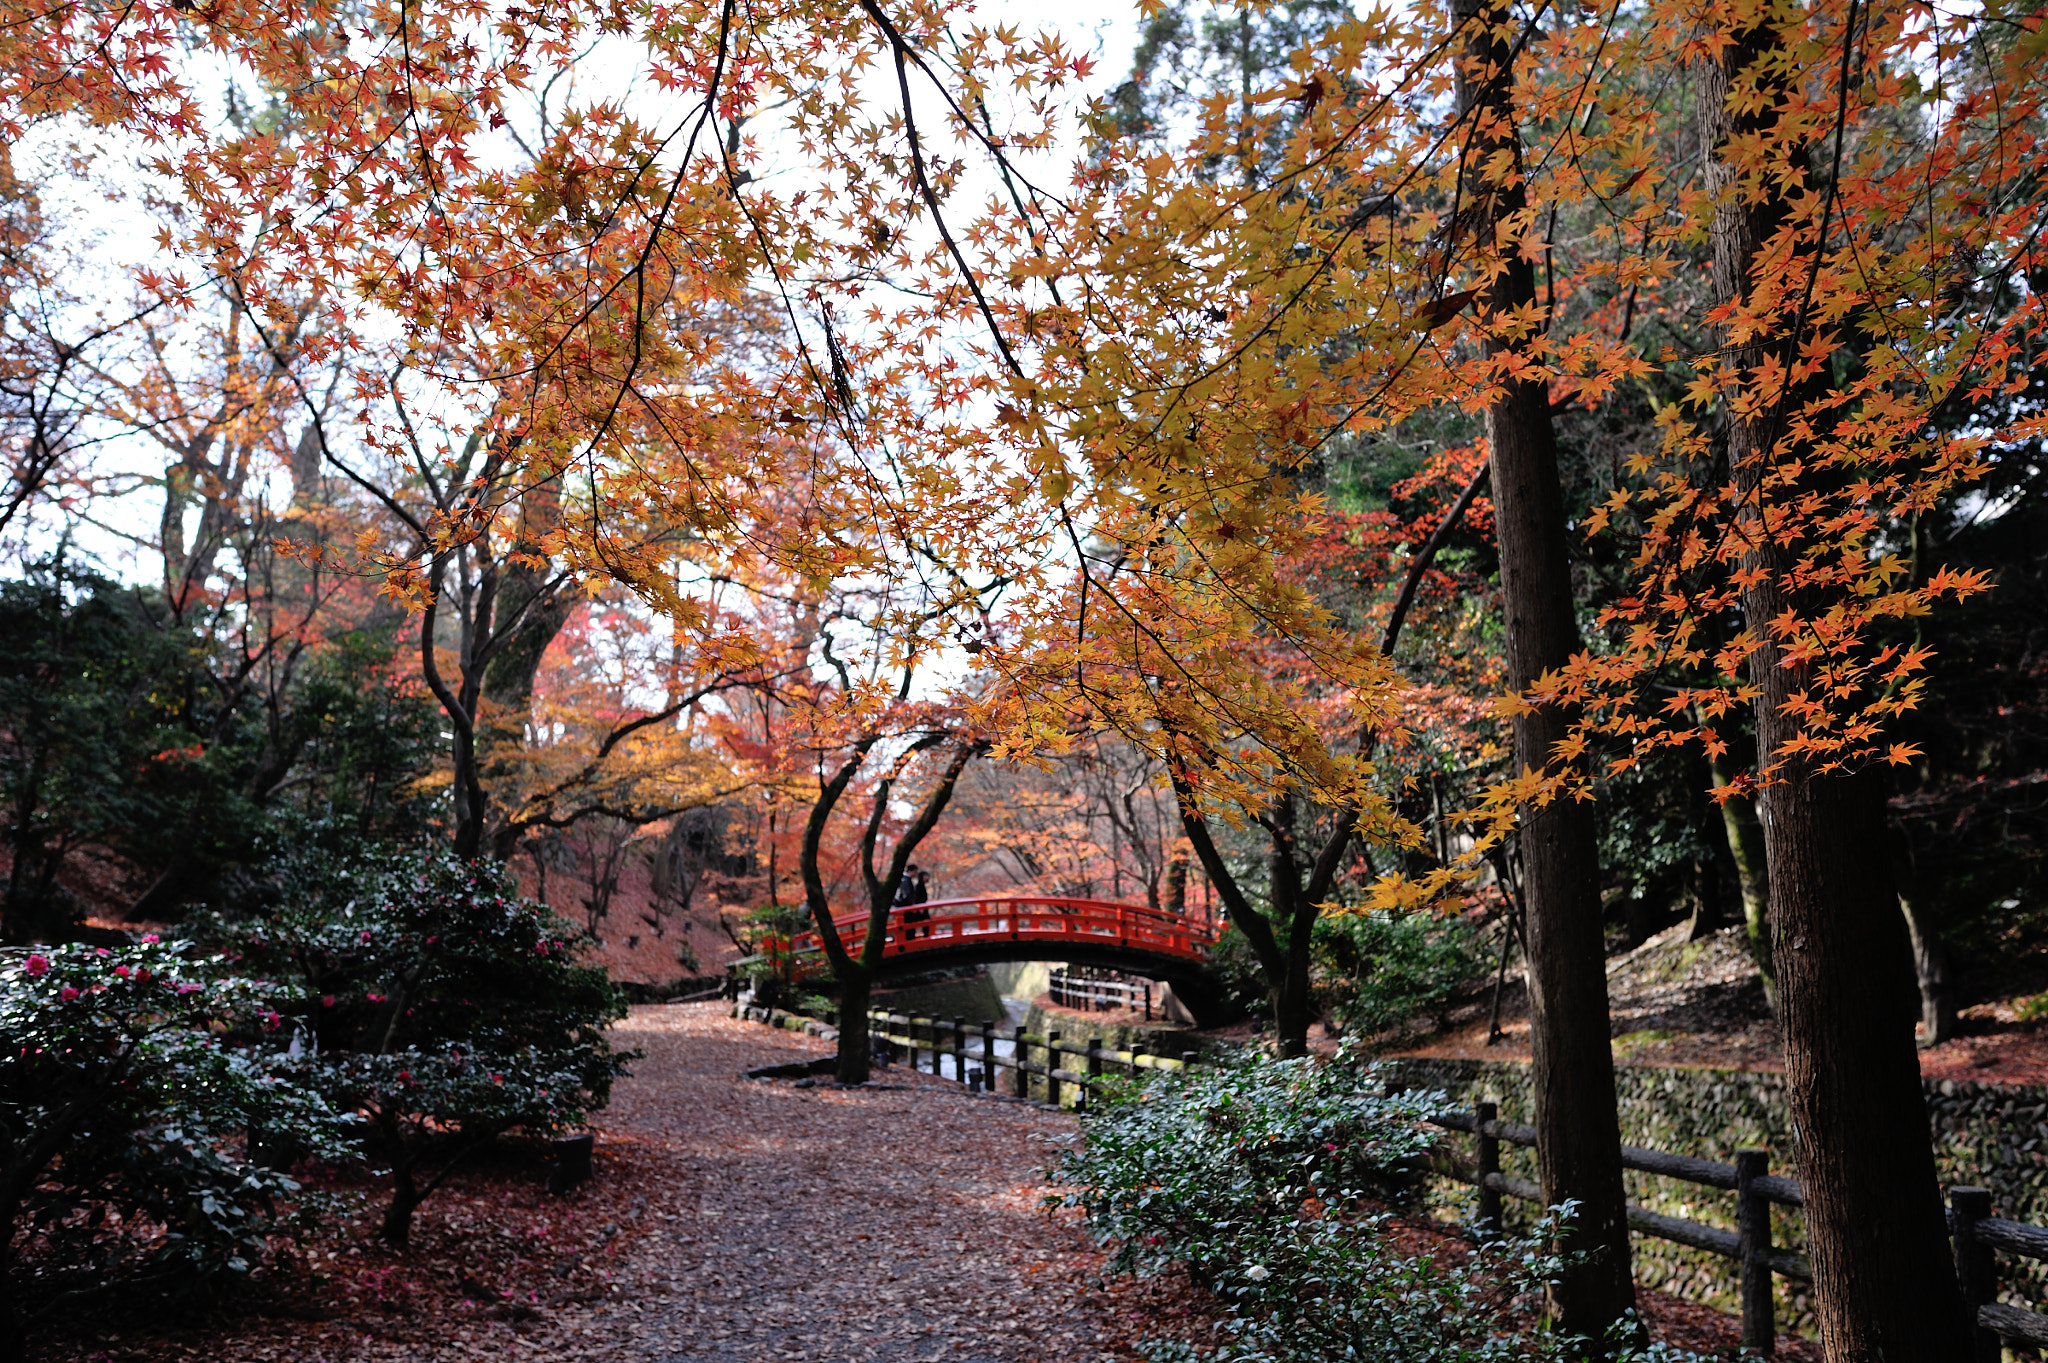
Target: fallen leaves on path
(731, 1219)
(738, 1221)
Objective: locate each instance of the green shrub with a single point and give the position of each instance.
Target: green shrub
(443, 1006)
(125, 1079)
(1255, 1176)
(1379, 970)
(1184, 1166)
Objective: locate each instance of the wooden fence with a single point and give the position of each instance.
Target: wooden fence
(977, 1064)
(1974, 1232)
(1074, 991)
(1977, 1235)
(1755, 1188)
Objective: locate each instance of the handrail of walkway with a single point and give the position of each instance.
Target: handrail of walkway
(941, 924)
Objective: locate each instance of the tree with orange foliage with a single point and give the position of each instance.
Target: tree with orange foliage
(1385, 260)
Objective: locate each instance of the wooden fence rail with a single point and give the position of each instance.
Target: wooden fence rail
(1071, 991)
(1976, 1234)
(977, 1064)
(1755, 1188)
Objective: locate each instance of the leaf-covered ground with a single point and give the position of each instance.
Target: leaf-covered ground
(731, 1221)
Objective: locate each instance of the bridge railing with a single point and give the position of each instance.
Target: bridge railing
(944, 923)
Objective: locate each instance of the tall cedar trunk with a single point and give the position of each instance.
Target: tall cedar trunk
(1884, 1285)
(1578, 1136)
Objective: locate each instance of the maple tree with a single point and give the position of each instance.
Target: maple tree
(1092, 436)
(1820, 256)
(1368, 253)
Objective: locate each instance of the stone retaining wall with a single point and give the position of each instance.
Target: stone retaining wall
(1986, 1134)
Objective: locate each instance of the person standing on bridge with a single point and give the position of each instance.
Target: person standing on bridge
(910, 892)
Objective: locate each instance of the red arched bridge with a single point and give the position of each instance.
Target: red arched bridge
(1100, 932)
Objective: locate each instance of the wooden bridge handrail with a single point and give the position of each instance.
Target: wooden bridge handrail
(1040, 919)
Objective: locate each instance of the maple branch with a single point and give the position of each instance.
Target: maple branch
(1249, 921)
(924, 185)
(1775, 422)
(1427, 553)
(879, 890)
(829, 793)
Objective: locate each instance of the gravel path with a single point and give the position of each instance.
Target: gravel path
(901, 1224)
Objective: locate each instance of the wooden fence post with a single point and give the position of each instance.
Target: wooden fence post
(1976, 1270)
(988, 1057)
(1052, 1064)
(1094, 1070)
(1148, 1000)
(960, 1048)
(1487, 1148)
(1021, 1053)
(1753, 1244)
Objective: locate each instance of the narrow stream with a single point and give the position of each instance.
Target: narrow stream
(1014, 1012)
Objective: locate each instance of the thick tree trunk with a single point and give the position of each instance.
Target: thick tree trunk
(1884, 1284)
(405, 1200)
(1292, 904)
(1578, 1136)
(855, 1053)
(1293, 1010)
(855, 974)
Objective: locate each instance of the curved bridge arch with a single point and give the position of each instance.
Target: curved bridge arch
(984, 931)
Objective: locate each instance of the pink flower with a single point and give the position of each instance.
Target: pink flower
(327, 1000)
(374, 998)
(272, 1021)
(67, 993)
(188, 989)
(101, 951)
(497, 1079)
(149, 937)
(122, 971)
(405, 1076)
(364, 937)
(38, 966)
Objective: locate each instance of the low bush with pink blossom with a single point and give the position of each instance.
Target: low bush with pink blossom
(129, 1079)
